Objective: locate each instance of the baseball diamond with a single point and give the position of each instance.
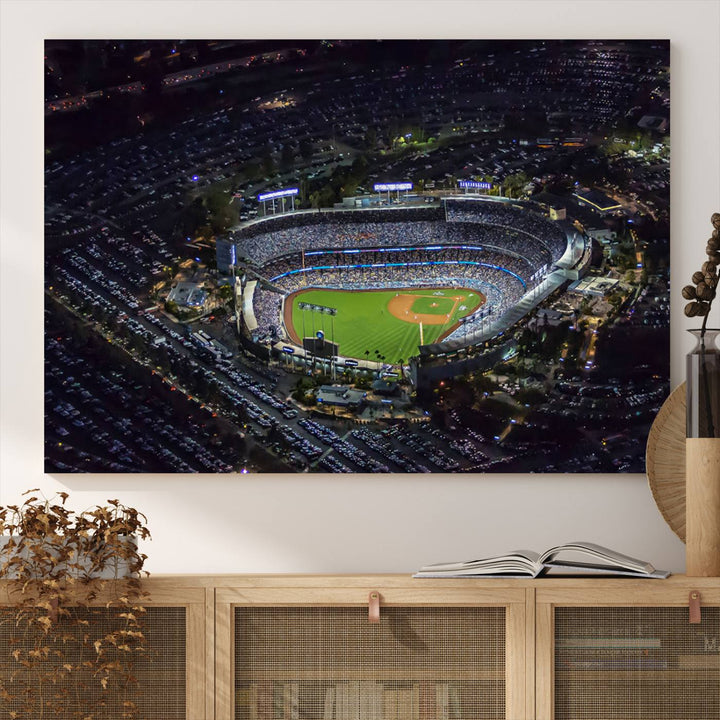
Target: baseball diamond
(387, 321)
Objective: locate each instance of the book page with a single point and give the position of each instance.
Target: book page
(585, 552)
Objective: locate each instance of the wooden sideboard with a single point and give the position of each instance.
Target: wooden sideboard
(264, 647)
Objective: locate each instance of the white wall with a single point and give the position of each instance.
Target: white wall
(344, 524)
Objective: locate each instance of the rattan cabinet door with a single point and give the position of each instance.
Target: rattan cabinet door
(329, 663)
(623, 663)
(326, 661)
(615, 650)
(166, 680)
(154, 680)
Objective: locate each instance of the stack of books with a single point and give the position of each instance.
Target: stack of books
(350, 700)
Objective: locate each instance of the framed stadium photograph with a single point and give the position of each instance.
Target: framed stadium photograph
(355, 256)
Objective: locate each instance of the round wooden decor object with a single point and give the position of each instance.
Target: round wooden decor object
(665, 461)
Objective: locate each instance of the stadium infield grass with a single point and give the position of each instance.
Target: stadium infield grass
(386, 321)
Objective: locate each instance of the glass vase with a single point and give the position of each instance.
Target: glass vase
(703, 386)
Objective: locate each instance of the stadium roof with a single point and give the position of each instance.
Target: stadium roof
(188, 293)
(385, 387)
(653, 122)
(598, 200)
(338, 395)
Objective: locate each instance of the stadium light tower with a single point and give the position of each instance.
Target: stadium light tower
(472, 185)
(288, 192)
(388, 187)
(332, 312)
(236, 291)
(320, 335)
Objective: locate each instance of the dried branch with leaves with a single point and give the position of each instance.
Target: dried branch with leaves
(71, 610)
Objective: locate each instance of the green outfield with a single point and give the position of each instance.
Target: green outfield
(370, 324)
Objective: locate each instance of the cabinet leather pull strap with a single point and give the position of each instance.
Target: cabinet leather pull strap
(374, 607)
(694, 603)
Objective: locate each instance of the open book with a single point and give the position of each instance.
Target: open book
(575, 558)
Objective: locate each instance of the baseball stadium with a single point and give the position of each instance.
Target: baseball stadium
(393, 285)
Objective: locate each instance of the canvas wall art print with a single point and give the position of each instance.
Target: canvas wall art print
(354, 256)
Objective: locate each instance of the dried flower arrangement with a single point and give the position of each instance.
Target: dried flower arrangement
(71, 609)
(702, 293)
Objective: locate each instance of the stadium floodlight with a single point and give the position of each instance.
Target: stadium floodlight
(475, 184)
(387, 187)
(277, 194)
